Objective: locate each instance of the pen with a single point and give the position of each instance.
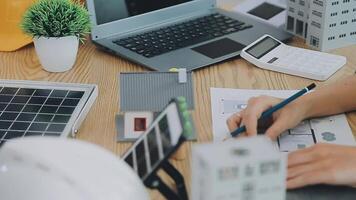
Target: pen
(270, 111)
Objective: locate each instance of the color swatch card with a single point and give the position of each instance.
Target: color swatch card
(164, 136)
(29, 108)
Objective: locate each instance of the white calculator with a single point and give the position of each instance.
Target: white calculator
(269, 53)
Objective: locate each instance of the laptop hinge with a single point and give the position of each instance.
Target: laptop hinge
(161, 24)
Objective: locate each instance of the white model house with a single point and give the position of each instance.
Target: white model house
(297, 17)
(325, 24)
(332, 24)
(249, 168)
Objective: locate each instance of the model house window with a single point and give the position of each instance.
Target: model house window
(290, 23)
(318, 2)
(300, 13)
(317, 13)
(345, 11)
(299, 27)
(314, 41)
(315, 24)
(302, 2)
(306, 30)
(331, 38)
(335, 3)
(140, 124)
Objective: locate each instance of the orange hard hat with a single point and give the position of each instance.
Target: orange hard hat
(11, 35)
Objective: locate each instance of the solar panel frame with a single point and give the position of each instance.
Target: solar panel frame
(44, 112)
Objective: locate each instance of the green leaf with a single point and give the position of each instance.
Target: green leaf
(56, 18)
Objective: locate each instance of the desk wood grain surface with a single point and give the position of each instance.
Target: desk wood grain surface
(98, 67)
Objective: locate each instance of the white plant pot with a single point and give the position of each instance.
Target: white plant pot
(57, 54)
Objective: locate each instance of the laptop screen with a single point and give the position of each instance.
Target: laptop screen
(112, 10)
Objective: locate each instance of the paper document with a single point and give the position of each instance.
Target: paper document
(333, 129)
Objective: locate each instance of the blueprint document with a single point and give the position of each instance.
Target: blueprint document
(332, 129)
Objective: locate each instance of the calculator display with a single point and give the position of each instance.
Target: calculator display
(262, 47)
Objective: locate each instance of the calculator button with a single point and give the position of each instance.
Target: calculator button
(272, 60)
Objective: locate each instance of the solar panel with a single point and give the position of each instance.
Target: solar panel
(33, 108)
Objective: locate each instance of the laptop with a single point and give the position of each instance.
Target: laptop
(173, 34)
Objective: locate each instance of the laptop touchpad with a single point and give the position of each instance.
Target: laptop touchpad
(219, 48)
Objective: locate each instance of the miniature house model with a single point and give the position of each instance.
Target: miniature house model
(297, 17)
(325, 24)
(248, 168)
(332, 24)
(143, 95)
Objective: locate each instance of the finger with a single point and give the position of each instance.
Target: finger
(279, 126)
(234, 121)
(300, 157)
(310, 178)
(250, 121)
(255, 108)
(299, 170)
(307, 155)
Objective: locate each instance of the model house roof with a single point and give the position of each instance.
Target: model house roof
(151, 91)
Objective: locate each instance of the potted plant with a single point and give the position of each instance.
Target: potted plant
(56, 26)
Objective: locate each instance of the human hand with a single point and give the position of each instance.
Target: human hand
(322, 164)
(288, 117)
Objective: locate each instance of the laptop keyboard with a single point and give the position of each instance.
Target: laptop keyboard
(181, 35)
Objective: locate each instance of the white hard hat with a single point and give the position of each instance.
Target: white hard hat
(42, 168)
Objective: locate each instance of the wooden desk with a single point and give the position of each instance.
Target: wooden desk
(95, 66)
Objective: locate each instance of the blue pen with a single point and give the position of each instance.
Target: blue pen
(270, 111)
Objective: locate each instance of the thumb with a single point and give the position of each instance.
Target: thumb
(278, 127)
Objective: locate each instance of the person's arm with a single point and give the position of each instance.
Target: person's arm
(321, 163)
(331, 99)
